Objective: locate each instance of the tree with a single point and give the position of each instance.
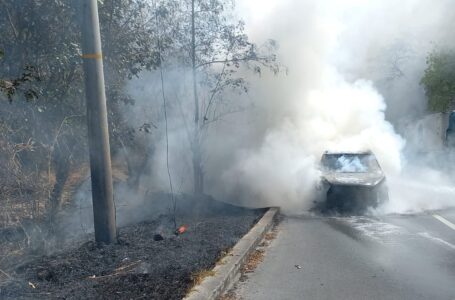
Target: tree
(215, 47)
(439, 80)
(46, 35)
(10, 87)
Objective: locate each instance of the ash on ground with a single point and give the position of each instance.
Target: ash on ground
(142, 265)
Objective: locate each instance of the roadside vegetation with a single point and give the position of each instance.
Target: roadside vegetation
(43, 136)
(44, 163)
(439, 80)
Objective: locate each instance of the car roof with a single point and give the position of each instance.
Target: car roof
(366, 152)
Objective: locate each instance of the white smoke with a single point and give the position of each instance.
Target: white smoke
(337, 116)
(419, 189)
(330, 101)
(354, 72)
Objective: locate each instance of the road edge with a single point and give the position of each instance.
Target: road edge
(229, 267)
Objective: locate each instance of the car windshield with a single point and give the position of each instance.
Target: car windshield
(350, 163)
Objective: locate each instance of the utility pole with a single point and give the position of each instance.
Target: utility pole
(98, 135)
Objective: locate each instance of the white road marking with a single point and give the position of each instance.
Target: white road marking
(445, 221)
(435, 239)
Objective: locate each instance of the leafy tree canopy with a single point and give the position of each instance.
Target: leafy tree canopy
(41, 40)
(439, 80)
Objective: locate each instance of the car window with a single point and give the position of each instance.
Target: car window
(350, 163)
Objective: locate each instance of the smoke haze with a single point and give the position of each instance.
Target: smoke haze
(354, 73)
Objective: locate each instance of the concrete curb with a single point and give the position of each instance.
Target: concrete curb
(228, 268)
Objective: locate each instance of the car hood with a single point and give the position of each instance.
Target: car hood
(356, 179)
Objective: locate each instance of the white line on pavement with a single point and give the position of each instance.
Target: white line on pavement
(445, 221)
(438, 240)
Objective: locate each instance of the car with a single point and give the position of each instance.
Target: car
(352, 182)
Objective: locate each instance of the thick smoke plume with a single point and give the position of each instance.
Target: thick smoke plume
(355, 68)
(354, 72)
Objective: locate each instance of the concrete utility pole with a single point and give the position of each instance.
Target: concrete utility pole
(100, 157)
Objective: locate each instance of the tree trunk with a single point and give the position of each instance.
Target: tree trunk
(61, 164)
(138, 169)
(198, 173)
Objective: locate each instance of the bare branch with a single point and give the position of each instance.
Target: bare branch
(10, 20)
(226, 61)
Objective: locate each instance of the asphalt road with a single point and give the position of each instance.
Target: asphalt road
(391, 257)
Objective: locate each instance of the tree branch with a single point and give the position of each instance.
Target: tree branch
(16, 35)
(226, 61)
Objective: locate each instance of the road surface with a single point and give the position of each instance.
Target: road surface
(392, 257)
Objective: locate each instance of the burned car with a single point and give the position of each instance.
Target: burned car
(352, 182)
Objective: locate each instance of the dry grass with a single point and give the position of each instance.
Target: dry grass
(229, 296)
(253, 261)
(26, 210)
(257, 256)
(79, 175)
(223, 255)
(75, 179)
(199, 276)
(119, 172)
(271, 235)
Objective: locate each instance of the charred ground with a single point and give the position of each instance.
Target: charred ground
(138, 267)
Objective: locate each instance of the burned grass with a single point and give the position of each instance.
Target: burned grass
(199, 276)
(138, 267)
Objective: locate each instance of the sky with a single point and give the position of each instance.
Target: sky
(255, 11)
